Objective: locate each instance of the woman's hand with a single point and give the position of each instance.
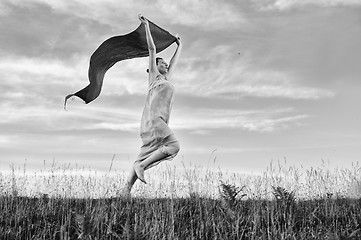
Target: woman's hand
(143, 19)
(178, 40)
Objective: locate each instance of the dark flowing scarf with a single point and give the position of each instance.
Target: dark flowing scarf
(118, 48)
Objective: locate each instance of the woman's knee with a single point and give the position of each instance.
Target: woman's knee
(176, 147)
(171, 149)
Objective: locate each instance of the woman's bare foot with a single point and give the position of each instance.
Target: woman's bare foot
(139, 170)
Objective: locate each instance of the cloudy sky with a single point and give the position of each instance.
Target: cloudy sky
(258, 80)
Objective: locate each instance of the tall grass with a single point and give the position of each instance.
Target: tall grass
(170, 181)
(284, 202)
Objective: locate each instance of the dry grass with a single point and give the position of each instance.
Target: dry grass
(195, 203)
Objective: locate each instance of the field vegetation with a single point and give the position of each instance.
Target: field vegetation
(66, 202)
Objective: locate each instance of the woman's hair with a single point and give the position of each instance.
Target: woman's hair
(156, 62)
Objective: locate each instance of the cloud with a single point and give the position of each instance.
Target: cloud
(128, 127)
(283, 5)
(46, 119)
(215, 69)
(101, 11)
(38, 66)
(212, 14)
(201, 121)
(34, 91)
(32, 29)
(223, 73)
(28, 82)
(4, 9)
(318, 46)
(4, 140)
(267, 120)
(43, 119)
(269, 91)
(268, 84)
(208, 14)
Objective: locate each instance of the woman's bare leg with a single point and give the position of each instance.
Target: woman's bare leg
(160, 154)
(138, 171)
(130, 182)
(139, 167)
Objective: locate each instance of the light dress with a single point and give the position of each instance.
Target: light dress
(154, 130)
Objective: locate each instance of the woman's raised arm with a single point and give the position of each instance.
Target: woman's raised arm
(173, 62)
(151, 46)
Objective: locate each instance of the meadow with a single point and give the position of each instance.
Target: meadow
(283, 202)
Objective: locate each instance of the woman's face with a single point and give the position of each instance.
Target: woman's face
(162, 66)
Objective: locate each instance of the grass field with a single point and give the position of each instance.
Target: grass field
(193, 203)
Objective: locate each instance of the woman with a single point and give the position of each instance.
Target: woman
(159, 142)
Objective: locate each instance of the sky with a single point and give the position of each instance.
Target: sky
(257, 81)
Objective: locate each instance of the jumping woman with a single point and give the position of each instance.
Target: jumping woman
(159, 142)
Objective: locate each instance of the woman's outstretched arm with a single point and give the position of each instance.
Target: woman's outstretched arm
(175, 58)
(151, 47)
